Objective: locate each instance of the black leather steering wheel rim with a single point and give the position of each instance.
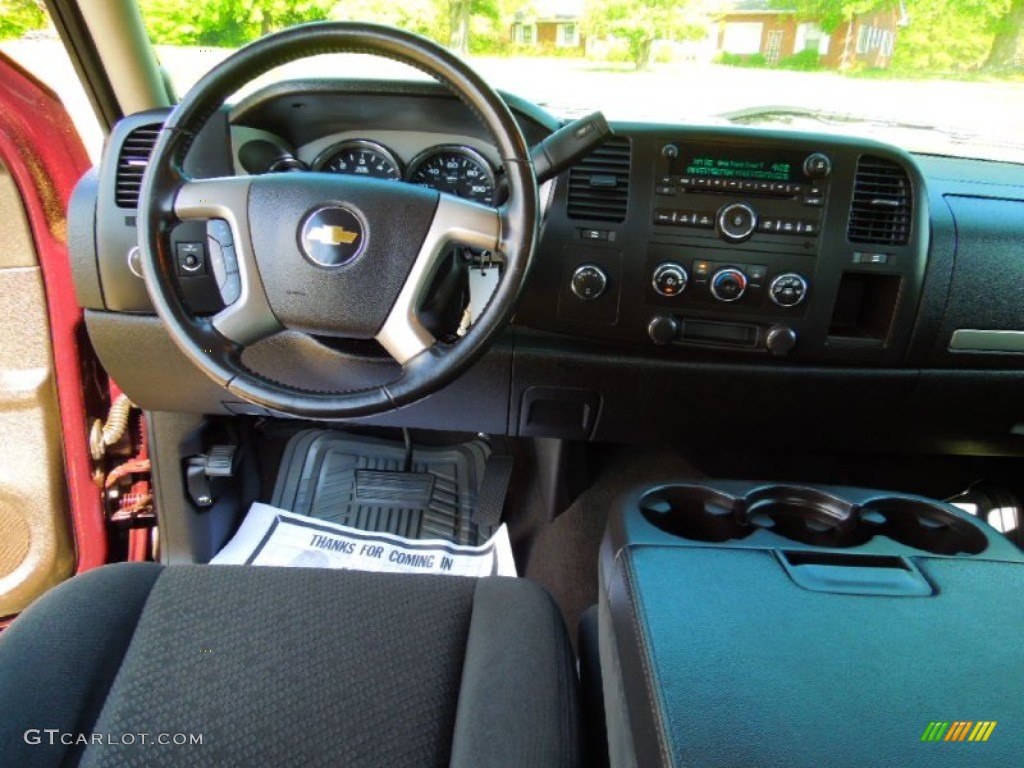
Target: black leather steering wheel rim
(218, 356)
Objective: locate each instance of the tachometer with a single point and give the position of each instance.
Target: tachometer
(359, 158)
(457, 170)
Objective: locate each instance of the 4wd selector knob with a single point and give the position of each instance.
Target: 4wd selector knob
(728, 284)
(669, 279)
(736, 222)
(589, 282)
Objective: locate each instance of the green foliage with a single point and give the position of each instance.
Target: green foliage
(751, 60)
(225, 23)
(424, 17)
(641, 22)
(20, 16)
(805, 61)
(831, 14)
(947, 36)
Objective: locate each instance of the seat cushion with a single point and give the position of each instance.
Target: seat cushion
(289, 666)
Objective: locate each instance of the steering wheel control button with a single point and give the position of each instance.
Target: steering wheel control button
(788, 289)
(736, 222)
(669, 279)
(589, 282)
(332, 236)
(663, 330)
(135, 261)
(817, 166)
(190, 258)
(728, 284)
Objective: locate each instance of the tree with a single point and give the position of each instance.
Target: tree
(1003, 54)
(424, 17)
(459, 14)
(227, 23)
(958, 36)
(641, 22)
(20, 16)
(830, 15)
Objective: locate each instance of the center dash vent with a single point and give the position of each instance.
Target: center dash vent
(881, 209)
(599, 183)
(131, 165)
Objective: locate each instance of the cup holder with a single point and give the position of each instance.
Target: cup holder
(694, 512)
(806, 515)
(925, 526)
(809, 516)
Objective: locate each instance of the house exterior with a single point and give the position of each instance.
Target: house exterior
(755, 27)
(550, 24)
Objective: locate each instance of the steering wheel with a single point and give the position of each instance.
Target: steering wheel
(328, 254)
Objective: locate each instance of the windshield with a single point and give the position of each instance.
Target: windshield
(933, 76)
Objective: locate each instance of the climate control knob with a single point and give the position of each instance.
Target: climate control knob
(788, 289)
(728, 284)
(736, 222)
(669, 279)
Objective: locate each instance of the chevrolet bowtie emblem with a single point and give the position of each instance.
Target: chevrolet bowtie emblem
(331, 235)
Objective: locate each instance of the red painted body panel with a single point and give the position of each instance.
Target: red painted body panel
(42, 151)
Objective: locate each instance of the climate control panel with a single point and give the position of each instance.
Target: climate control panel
(706, 284)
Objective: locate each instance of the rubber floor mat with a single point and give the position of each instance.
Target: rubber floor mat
(357, 481)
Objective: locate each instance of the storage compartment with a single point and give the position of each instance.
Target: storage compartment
(723, 615)
(864, 309)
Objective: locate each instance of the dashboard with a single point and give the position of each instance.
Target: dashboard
(838, 286)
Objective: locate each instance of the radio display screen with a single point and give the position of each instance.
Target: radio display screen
(757, 164)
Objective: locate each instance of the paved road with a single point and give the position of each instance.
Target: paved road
(669, 93)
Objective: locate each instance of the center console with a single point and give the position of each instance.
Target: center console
(787, 625)
(788, 246)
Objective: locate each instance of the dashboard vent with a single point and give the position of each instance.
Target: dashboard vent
(131, 165)
(599, 183)
(881, 208)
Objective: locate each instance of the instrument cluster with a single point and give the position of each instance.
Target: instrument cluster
(452, 168)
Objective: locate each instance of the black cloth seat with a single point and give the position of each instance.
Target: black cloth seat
(287, 666)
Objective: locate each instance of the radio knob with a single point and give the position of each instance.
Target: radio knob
(788, 289)
(817, 166)
(728, 284)
(589, 282)
(736, 222)
(662, 329)
(669, 279)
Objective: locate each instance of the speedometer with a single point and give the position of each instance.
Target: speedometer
(457, 170)
(359, 158)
